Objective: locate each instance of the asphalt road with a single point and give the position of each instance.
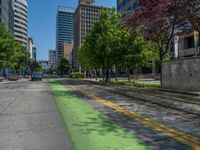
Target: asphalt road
(164, 109)
(29, 119)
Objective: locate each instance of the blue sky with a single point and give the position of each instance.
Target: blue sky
(42, 22)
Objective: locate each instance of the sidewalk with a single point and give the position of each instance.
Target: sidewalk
(6, 81)
(29, 118)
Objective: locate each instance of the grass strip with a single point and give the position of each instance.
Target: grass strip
(88, 129)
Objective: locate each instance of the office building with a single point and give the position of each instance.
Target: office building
(126, 9)
(67, 51)
(34, 53)
(21, 21)
(89, 2)
(126, 6)
(52, 58)
(85, 16)
(31, 49)
(64, 28)
(7, 13)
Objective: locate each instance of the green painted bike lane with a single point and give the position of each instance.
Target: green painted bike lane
(87, 128)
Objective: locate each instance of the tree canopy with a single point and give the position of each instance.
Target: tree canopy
(12, 54)
(110, 44)
(63, 66)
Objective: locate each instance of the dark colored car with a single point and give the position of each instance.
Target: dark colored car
(36, 76)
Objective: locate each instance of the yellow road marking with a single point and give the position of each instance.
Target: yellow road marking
(180, 136)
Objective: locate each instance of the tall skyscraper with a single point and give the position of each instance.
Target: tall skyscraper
(64, 28)
(85, 16)
(21, 21)
(7, 13)
(52, 58)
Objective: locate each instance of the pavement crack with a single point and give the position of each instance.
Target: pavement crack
(10, 104)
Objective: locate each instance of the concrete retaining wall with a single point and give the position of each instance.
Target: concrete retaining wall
(182, 74)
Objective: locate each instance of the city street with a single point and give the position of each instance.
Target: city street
(159, 119)
(99, 75)
(29, 119)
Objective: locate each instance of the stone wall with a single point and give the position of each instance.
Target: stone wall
(182, 74)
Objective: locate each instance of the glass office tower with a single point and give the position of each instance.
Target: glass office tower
(64, 28)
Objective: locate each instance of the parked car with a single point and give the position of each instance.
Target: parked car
(36, 76)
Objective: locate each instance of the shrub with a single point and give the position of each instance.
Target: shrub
(1, 79)
(77, 75)
(13, 78)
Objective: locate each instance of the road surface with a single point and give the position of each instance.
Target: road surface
(161, 120)
(29, 118)
(96, 117)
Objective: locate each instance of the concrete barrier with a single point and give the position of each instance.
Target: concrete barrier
(182, 74)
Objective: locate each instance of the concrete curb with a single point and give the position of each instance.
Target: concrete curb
(188, 93)
(182, 94)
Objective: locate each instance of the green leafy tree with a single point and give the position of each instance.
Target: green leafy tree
(12, 54)
(63, 66)
(35, 67)
(110, 44)
(99, 45)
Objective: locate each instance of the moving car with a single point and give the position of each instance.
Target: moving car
(36, 76)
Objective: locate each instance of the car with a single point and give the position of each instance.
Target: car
(36, 76)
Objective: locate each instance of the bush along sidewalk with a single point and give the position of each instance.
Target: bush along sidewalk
(1, 79)
(77, 75)
(132, 83)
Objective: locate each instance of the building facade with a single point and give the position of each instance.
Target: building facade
(89, 2)
(52, 58)
(85, 16)
(31, 49)
(21, 21)
(67, 50)
(64, 28)
(186, 45)
(7, 13)
(34, 53)
(14, 14)
(126, 6)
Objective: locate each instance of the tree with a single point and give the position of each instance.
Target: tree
(111, 44)
(159, 19)
(101, 47)
(12, 54)
(63, 66)
(139, 51)
(190, 12)
(35, 67)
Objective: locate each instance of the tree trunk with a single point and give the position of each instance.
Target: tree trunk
(96, 74)
(103, 72)
(116, 72)
(129, 76)
(107, 75)
(161, 61)
(86, 74)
